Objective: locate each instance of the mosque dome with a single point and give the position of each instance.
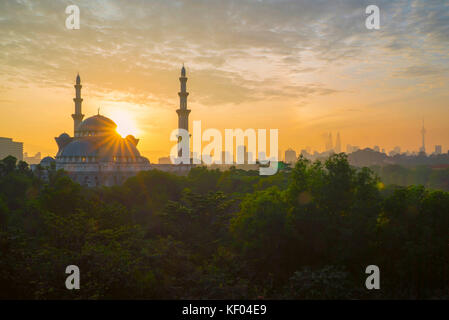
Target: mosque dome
(113, 148)
(63, 140)
(96, 125)
(64, 136)
(96, 140)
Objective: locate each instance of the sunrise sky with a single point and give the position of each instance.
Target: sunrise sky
(303, 67)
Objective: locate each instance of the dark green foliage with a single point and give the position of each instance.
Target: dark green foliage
(304, 233)
(436, 177)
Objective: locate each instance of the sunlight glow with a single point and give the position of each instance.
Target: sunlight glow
(126, 124)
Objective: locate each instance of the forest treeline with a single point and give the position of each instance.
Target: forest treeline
(305, 233)
(433, 178)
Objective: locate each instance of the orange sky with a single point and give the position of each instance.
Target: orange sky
(303, 67)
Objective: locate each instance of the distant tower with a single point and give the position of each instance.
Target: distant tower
(183, 112)
(423, 133)
(77, 116)
(290, 156)
(338, 143)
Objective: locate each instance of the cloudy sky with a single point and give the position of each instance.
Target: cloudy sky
(303, 67)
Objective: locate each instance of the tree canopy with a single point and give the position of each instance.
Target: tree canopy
(304, 233)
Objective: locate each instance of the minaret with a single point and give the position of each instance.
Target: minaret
(423, 133)
(183, 112)
(77, 116)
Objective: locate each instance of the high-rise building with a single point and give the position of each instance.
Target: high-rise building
(351, 149)
(290, 156)
(348, 148)
(241, 156)
(226, 158)
(423, 134)
(397, 150)
(11, 148)
(32, 159)
(438, 149)
(338, 143)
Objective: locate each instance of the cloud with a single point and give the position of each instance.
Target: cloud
(239, 50)
(421, 71)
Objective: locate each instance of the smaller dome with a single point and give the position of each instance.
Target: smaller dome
(132, 139)
(47, 161)
(81, 148)
(64, 136)
(63, 140)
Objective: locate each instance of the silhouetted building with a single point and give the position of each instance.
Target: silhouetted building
(396, 150)
(338, 143)
(438, 149)
(164, 160)
(423, 134)
(32, 159)
(290, 156)
(351, 149)
(96, 154)
(8, 147)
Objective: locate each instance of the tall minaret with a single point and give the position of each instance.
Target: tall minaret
(423, 133)
(77, 116)
(183, 112)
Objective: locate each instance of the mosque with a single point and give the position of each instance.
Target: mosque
(97, 155)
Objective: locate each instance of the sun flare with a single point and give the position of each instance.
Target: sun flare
(126, 124)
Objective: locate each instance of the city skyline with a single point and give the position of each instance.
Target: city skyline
(289, 65)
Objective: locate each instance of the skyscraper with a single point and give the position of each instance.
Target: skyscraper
(338, 143)
(423, 133)
(10, 148)
(290, 156)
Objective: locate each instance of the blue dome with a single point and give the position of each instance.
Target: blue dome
(64, 136)
(97, 123)
(103, 148)
(47, 161)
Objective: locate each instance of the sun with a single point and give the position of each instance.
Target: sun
(126, 124)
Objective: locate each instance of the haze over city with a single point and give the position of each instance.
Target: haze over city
(306, 68)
